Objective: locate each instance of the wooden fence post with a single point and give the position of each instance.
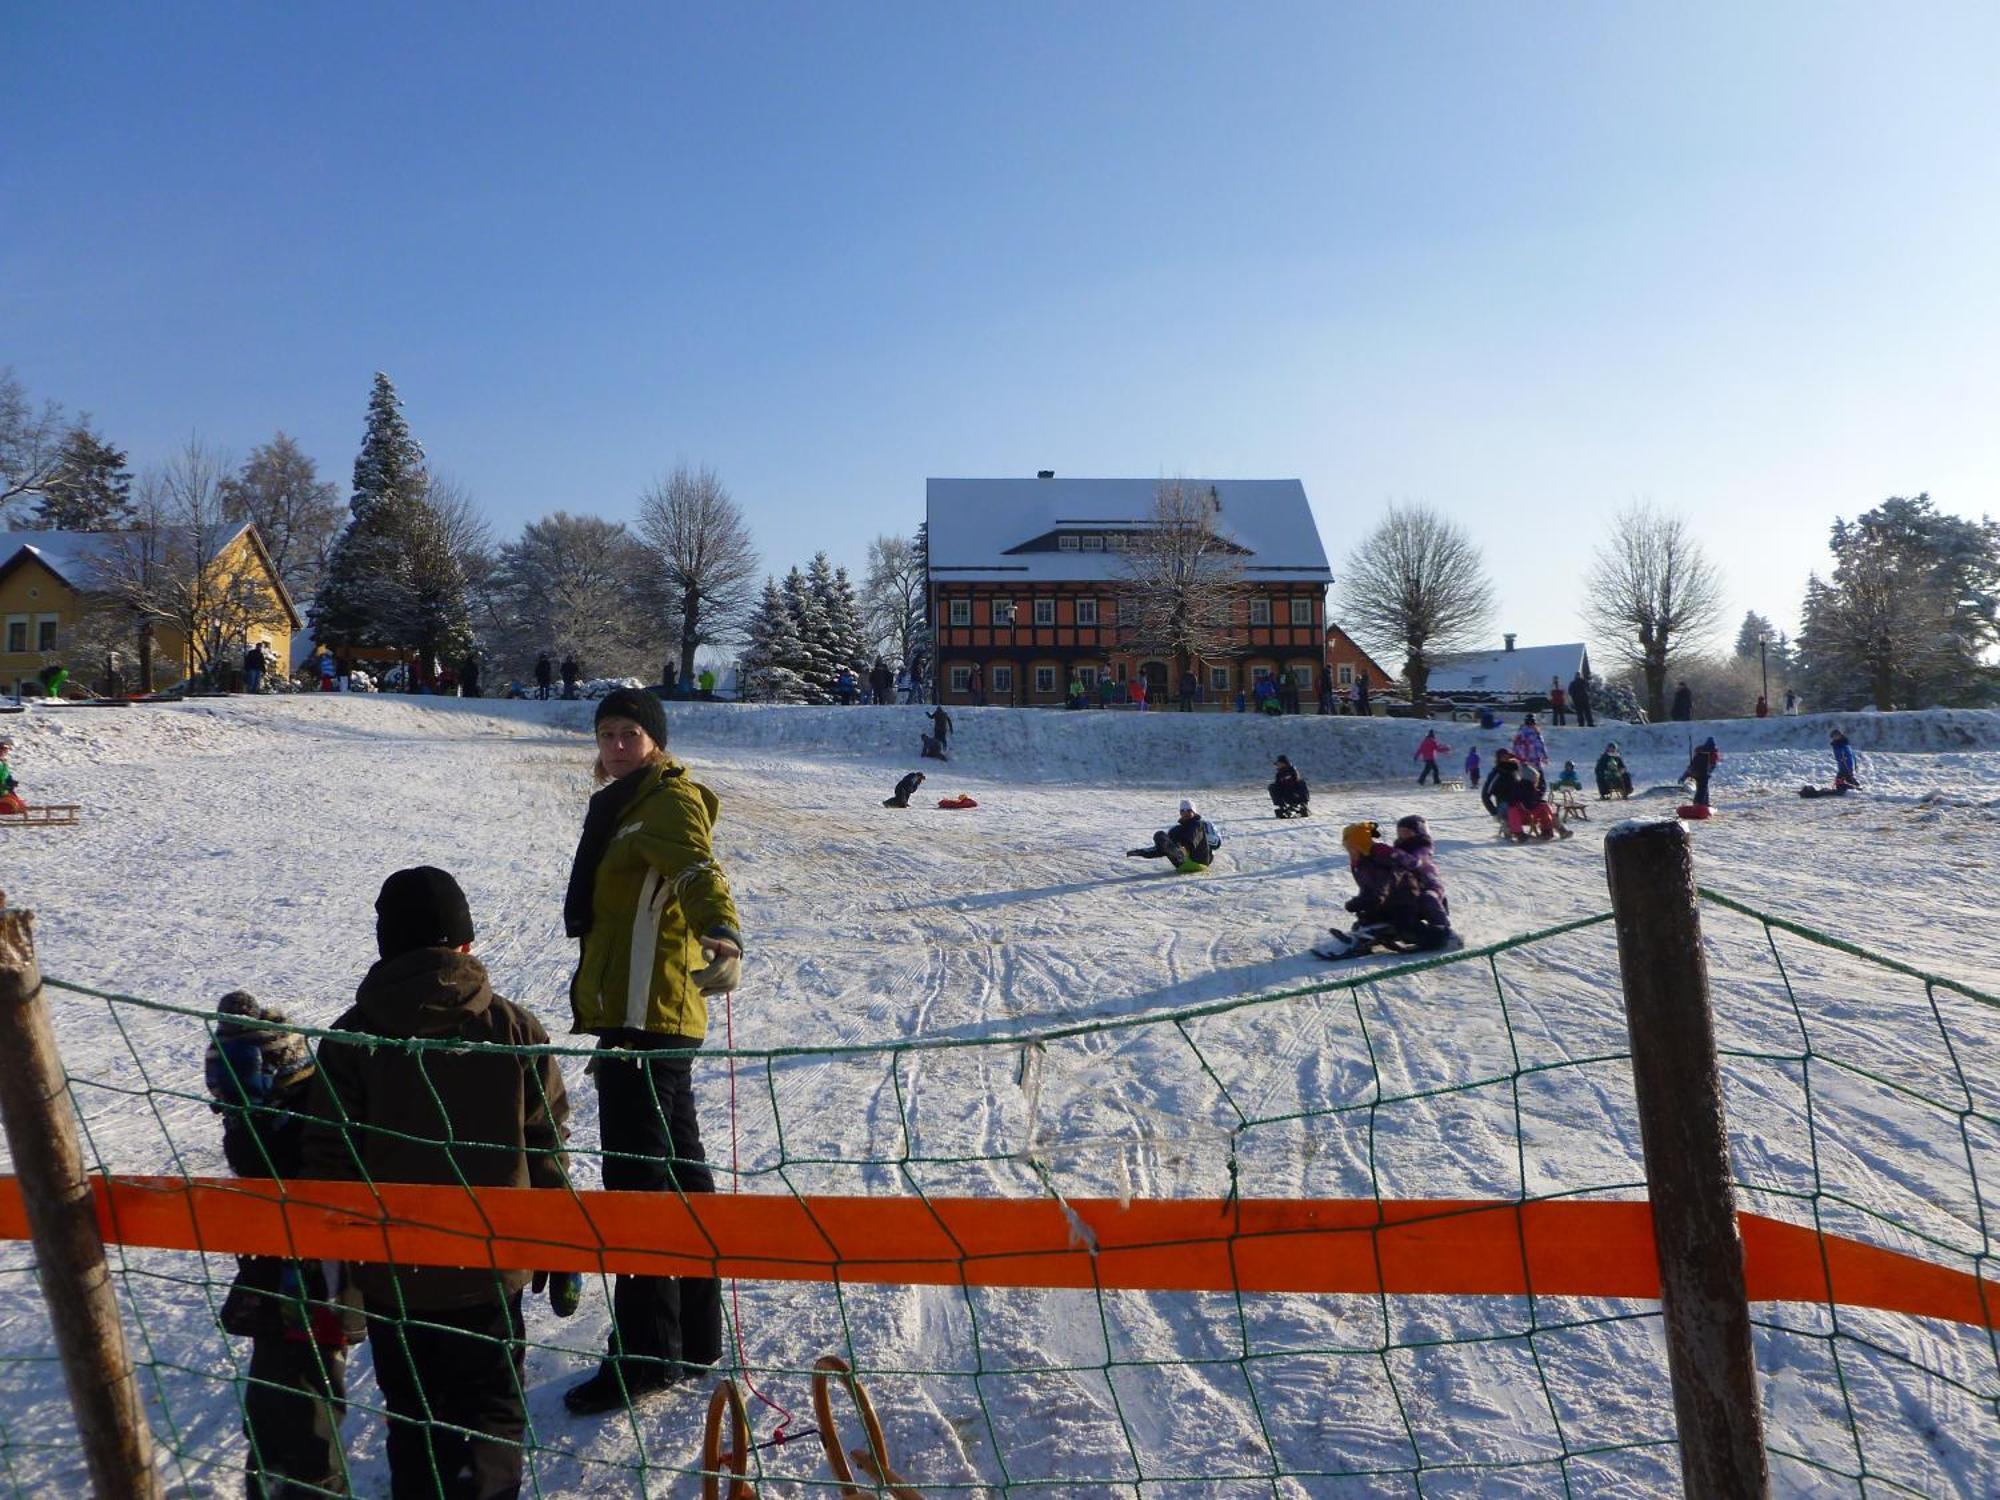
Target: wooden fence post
(69, 1253)
(1650, 866)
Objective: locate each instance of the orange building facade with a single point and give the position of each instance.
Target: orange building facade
(1026, 586)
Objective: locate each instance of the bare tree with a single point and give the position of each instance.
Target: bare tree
(572, 586)
(704, 562)
(31, 444)
(1416, 586)
(1652, 596)
(298, 514)
(1182, 580)
(468, 538)
(169, 570)
(893, 596)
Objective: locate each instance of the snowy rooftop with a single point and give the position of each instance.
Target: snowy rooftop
(1522, 671)
(73, 555)
(976, 525)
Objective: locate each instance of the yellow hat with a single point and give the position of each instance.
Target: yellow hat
(1358, 838)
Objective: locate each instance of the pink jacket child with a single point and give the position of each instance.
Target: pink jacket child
(1528, 746)
(1428, 752)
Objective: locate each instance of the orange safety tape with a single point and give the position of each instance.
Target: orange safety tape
(1447, 1247)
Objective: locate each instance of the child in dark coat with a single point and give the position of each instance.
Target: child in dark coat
(905, 789)
(1289, 793)
(1400, 902)
(1191, 843)
(299, 1329)
(1701, 765)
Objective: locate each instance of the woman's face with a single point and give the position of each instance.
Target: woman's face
(623, 746)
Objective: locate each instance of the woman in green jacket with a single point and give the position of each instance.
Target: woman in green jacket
(659, 934)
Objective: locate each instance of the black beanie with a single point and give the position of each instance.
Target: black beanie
(638, 705)
(421, 908)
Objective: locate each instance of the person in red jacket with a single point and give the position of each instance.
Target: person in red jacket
(1558, 700)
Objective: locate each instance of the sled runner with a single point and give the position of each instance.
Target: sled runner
(55, 815)
(1364, 940)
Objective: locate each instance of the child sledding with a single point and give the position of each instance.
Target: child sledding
(1400, 906)
(18, 813)
(905, 789)
(1844, 778)
(1517, 794)
(1290, 795)
(1190, 844)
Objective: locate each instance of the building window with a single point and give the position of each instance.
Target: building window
(1087, 676)
(1003, 679)
(1258, 674)
(1346, 675)
(961, 679)
(1218, 679)
(1302, 611)
(17, 633)
(1045, 679)
(1116, 541)
(1045, 611)
(1003, 612)
(45, 633)
(1086, 611)
(961, 611)
(1260, 611)
(1093, 544)
(1066, 543)
(1302, 674)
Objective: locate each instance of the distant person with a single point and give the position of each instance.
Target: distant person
(1791, 703)
(1190, 844)
(1429, 748)
(1701, 766)
(1569, 781)
(325, 670)
(1529, 748)
(1326, 703)
(1361, 694)
(670, 679)
(544, 675)
(468, 675)
(1579, 700)
(253, 669)
(1188, 688)
(940, 728)
(1845, 778)
(881, 682)
(1683, 709)
(706, 683)
(1138, 691)
(1472, 768)
(976, 683)
(571, 671)
(1290, 795)
(905, 790)
(1612, 777)
(1558, 700)
(1074, 697)
(1107, 688)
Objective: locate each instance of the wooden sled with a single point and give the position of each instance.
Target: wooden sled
(732, 1463)
(1569, 806)
(54, 815)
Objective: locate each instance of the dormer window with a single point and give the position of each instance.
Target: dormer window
(1066, 543)
(1093, 544)
(1116, 541)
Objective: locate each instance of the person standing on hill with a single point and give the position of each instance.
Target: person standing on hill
(570, 673)
(544, 674)
(1701, 766)
(940, 727)
(1558, 700)
(652, 911)
(1579, 699)
(1428, 751)
(1683, 709)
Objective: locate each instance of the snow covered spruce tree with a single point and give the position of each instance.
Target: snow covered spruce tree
(392, 580)
(704, 563)
(817, 664)
(1181, 580)
(1416, 589)
(1652, 596)
(1909, 614)
(772, 654)
(846, 637)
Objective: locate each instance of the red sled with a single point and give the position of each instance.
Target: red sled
(1694, 810)
(957, 802)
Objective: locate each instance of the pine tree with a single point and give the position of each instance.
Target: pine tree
(818, 665)
(772, 652)
(846, 633)
(392, 579)
(91, 489)
(1755, 628)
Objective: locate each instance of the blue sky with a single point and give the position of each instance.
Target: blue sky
(1523, 263)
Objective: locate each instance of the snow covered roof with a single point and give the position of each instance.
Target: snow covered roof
(74, 556)
(980, 528)
(1521, 672)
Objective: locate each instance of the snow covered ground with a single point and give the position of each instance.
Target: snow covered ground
(239, 843)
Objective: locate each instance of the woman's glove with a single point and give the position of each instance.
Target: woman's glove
(724, 969)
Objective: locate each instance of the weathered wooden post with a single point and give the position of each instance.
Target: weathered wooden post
(1686, 1140)
(69, 1252)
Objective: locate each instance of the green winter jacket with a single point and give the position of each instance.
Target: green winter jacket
(657, 892)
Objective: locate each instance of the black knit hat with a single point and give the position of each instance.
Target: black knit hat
(638, 705)
(421, 908)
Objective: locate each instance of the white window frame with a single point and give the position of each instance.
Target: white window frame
(1093, 544)
(1259, 673)
(25, 622)
(1302, 611)
(1088, 677)
(1067, 544)
(1003, 679)
(1260, 611)
(1302, 674)
(1115, 542)
(1045, 611)
(1002, 612)
(1218, 679)
(958, 611)
(1345, 673)
(1045, 679)
(961, 679)
(1086, 611)
(53, 625)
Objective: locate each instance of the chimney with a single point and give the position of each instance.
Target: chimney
(1509, 639)
(1045, 473)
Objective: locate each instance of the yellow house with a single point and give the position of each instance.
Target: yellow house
(66, 597)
